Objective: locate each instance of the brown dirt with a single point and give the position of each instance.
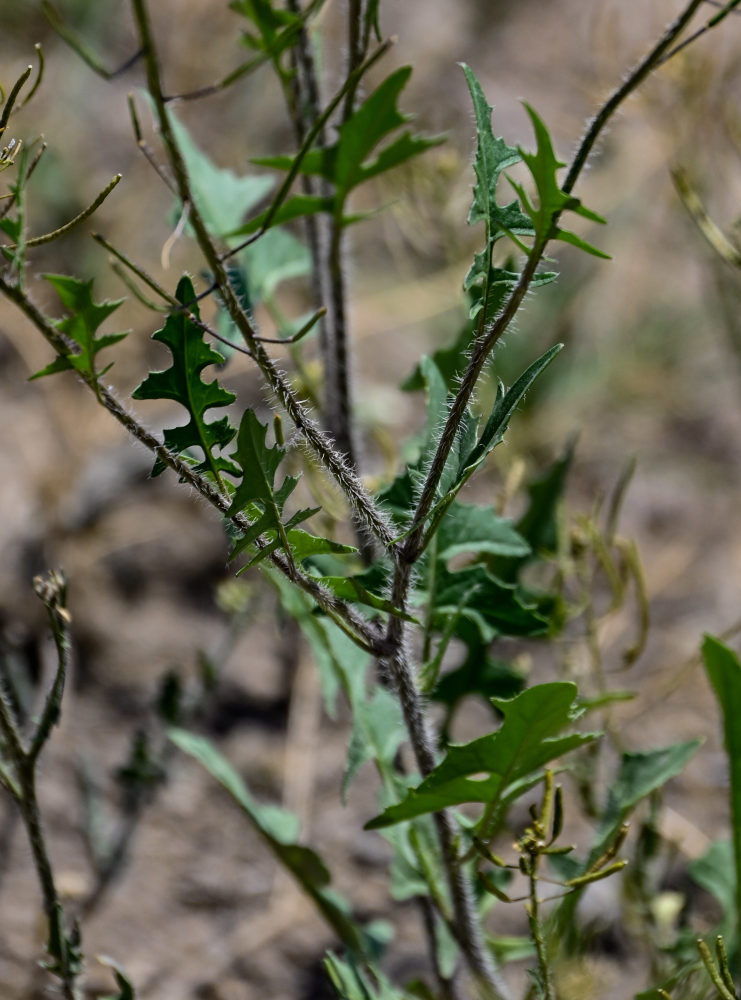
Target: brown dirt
(200, 911)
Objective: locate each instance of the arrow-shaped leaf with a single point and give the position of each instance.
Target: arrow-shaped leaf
(509, 758)
(543, 164)
(350, 160)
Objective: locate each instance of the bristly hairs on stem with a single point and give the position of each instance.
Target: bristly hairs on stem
(360, 500)
(358, 628)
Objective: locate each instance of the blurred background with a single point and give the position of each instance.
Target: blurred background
(651, 372)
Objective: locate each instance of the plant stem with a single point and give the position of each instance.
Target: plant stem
(536, 932)
(304, 108)
(360, 500)
(414, 714)
(59, 947)
(358, 628)
(484, 344)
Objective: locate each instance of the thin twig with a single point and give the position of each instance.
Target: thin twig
(61, 947)
(37, 241)
(81, 49)
(729, 8)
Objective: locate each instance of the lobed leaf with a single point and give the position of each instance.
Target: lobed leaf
(182, 382)
(257, 495)
(85, 318)
(349, 161)
(552, 201)
(492, 606)
(492, 157)
(509, 759)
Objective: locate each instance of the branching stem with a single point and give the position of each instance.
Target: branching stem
(362, 503)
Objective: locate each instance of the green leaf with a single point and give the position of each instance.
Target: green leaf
(724, 671)
(86, 316)
(277, 29)
(539, 522)
(349, 588)
(511, 949)
(349, 161)
(470, 528)
(504, 408)
(257, 496)
(277, 256)
(126, 989)
(492, 157)
(489, 286)
(304, 545)
(715, 872)
(552, 201)
(221, 196)
(296, 207)
(640, 774)
(450, 361)
(279, 829)
(378, 728)
(509, 758)
(351, 982)
(182, 382)
(493, 606)
(377, 734)
(481, 675)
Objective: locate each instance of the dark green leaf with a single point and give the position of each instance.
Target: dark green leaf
(505, 407)
(280, 830)
(491, 605)
(715, 872)
(478, 675)
(349, 161)
(349, 588)
(492, 157)
(724, 671)
(351, 982)
(509, 758)
(182, 382)
(470, 528)
(86, 316)
(640, 774)
(257, 495)
(539, 522)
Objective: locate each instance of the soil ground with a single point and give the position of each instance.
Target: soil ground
(650, 372)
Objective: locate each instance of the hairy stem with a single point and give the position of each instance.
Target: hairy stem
(485, 343)
(414, 712)
(355, 625)
(360, 500)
